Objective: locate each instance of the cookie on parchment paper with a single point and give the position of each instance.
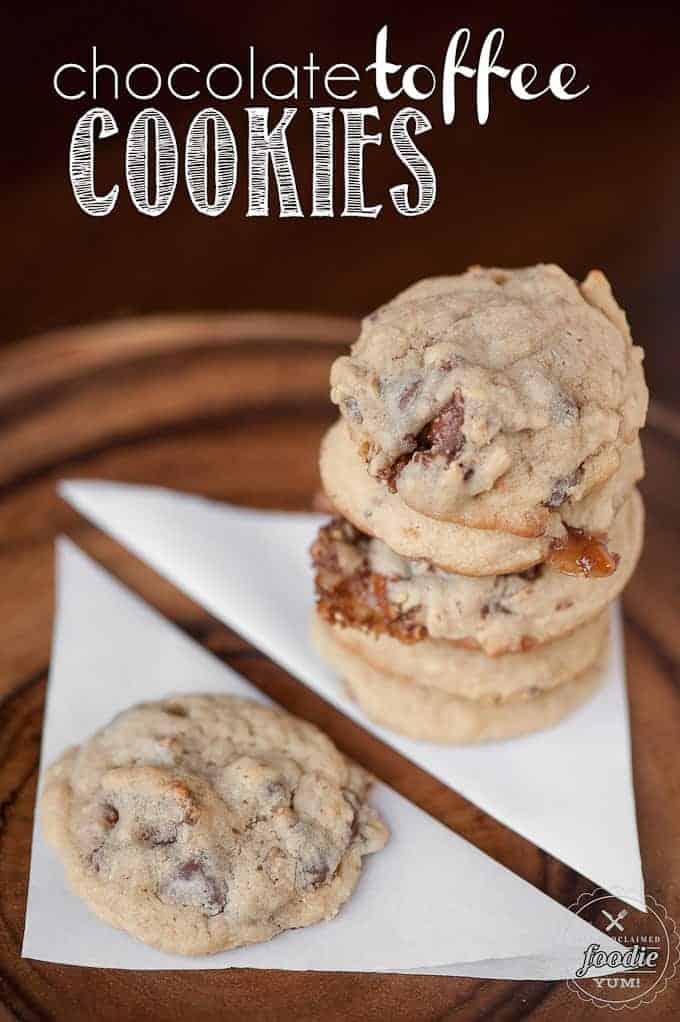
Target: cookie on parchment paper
(200, 823)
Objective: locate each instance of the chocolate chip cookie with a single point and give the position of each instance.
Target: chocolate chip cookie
(493, 398)
(374, 510)
(469, 673)
(201, 823)
(362, 583)
(412, 705)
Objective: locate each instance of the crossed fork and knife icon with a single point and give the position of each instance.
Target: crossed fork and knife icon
(615, 921)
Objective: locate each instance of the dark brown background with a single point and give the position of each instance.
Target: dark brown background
(588, 183)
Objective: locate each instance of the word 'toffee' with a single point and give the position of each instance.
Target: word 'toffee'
(211, 158)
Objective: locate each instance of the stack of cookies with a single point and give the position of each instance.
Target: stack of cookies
(483, 476)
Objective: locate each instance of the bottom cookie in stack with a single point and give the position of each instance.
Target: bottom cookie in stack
(453, 658)
(441, 692)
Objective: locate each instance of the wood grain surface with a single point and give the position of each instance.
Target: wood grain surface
(234, 407)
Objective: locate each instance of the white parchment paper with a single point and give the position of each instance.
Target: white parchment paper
(568, 790)
(430, 902)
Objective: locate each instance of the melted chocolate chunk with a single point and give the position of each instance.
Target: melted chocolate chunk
(191, 882)
(445, 433)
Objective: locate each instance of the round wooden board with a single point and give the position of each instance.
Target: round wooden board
(234, 407)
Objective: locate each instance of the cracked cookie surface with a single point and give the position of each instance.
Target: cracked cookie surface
(492, 398)
(201, 823)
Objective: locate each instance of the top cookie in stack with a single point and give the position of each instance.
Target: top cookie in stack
(486, 458)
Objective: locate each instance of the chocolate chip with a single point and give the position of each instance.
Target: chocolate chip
(96, 859)
(315, 868)
(191, 883)
(175, 710)
(275, 795)
(443, 435)
(352, 801)
(351, 798)
(445, 432)
(189, 869)
(452, 362)
(192, 815)
(351, 406)
(110, 815)
(494, 606)
(158, 838)
(390, 474)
